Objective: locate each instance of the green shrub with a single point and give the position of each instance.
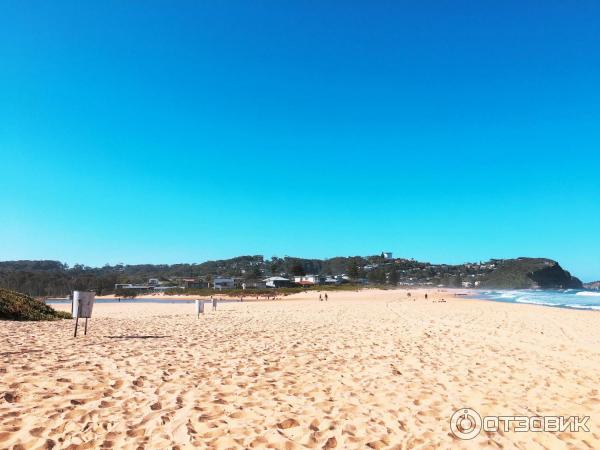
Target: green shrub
(17, 306)
(126, 293)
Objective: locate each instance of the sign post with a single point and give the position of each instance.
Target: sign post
(83, 303)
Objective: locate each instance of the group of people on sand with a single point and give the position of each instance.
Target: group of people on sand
(409, 295)
(214, 300)
(426, 297)
(323, 297)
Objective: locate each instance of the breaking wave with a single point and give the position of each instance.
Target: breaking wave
(570, 298)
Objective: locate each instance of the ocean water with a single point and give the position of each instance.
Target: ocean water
(569, 298)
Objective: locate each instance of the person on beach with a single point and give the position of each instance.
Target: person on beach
(320, 298)
(326, 297)
(426, 296)
(214, 302)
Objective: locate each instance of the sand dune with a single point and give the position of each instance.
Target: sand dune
(373, 369)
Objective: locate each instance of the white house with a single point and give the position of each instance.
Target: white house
(275, 282)
(308, 279)
(135, 287)
(223, 283)
(387, 255)
(332, 280)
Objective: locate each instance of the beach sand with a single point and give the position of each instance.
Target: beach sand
(368, 369)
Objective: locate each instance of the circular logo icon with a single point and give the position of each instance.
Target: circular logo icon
(465, 423)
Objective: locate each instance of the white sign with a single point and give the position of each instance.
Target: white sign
(83, 303)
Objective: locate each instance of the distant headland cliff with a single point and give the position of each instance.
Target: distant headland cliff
(53, 278)
(595, 285)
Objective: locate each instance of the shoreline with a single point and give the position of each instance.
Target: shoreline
(465, 293)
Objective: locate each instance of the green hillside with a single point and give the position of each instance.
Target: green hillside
(525, 273)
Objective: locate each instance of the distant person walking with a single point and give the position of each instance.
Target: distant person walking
(425, 296)
(214, 302)
(326, 297)
(320, 298)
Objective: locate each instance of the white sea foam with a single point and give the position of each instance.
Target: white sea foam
(510, 294)
(533, 301)
(588, 294)
(571, 298)
(577, 306)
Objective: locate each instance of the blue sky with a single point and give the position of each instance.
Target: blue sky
(168, 132)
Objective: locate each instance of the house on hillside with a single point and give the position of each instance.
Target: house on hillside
(193, 283)
(307, 280)
(223, 283)
(252, 284)
(277, 282)
(133, 287)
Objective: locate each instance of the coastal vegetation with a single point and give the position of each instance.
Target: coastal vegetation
(56, 279)
(524, 273)
(126, 293)
(17, 306)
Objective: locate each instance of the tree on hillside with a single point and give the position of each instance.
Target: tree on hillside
(253, 273)
(458, 280)
(276, 265)
(353, 270)
(297, 270)
(377, 276)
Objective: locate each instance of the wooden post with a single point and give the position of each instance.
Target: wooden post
(85, 330)
(76, 323)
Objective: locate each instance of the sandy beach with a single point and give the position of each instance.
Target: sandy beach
(369, 369)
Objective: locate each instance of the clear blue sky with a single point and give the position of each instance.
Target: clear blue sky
(168, 132)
